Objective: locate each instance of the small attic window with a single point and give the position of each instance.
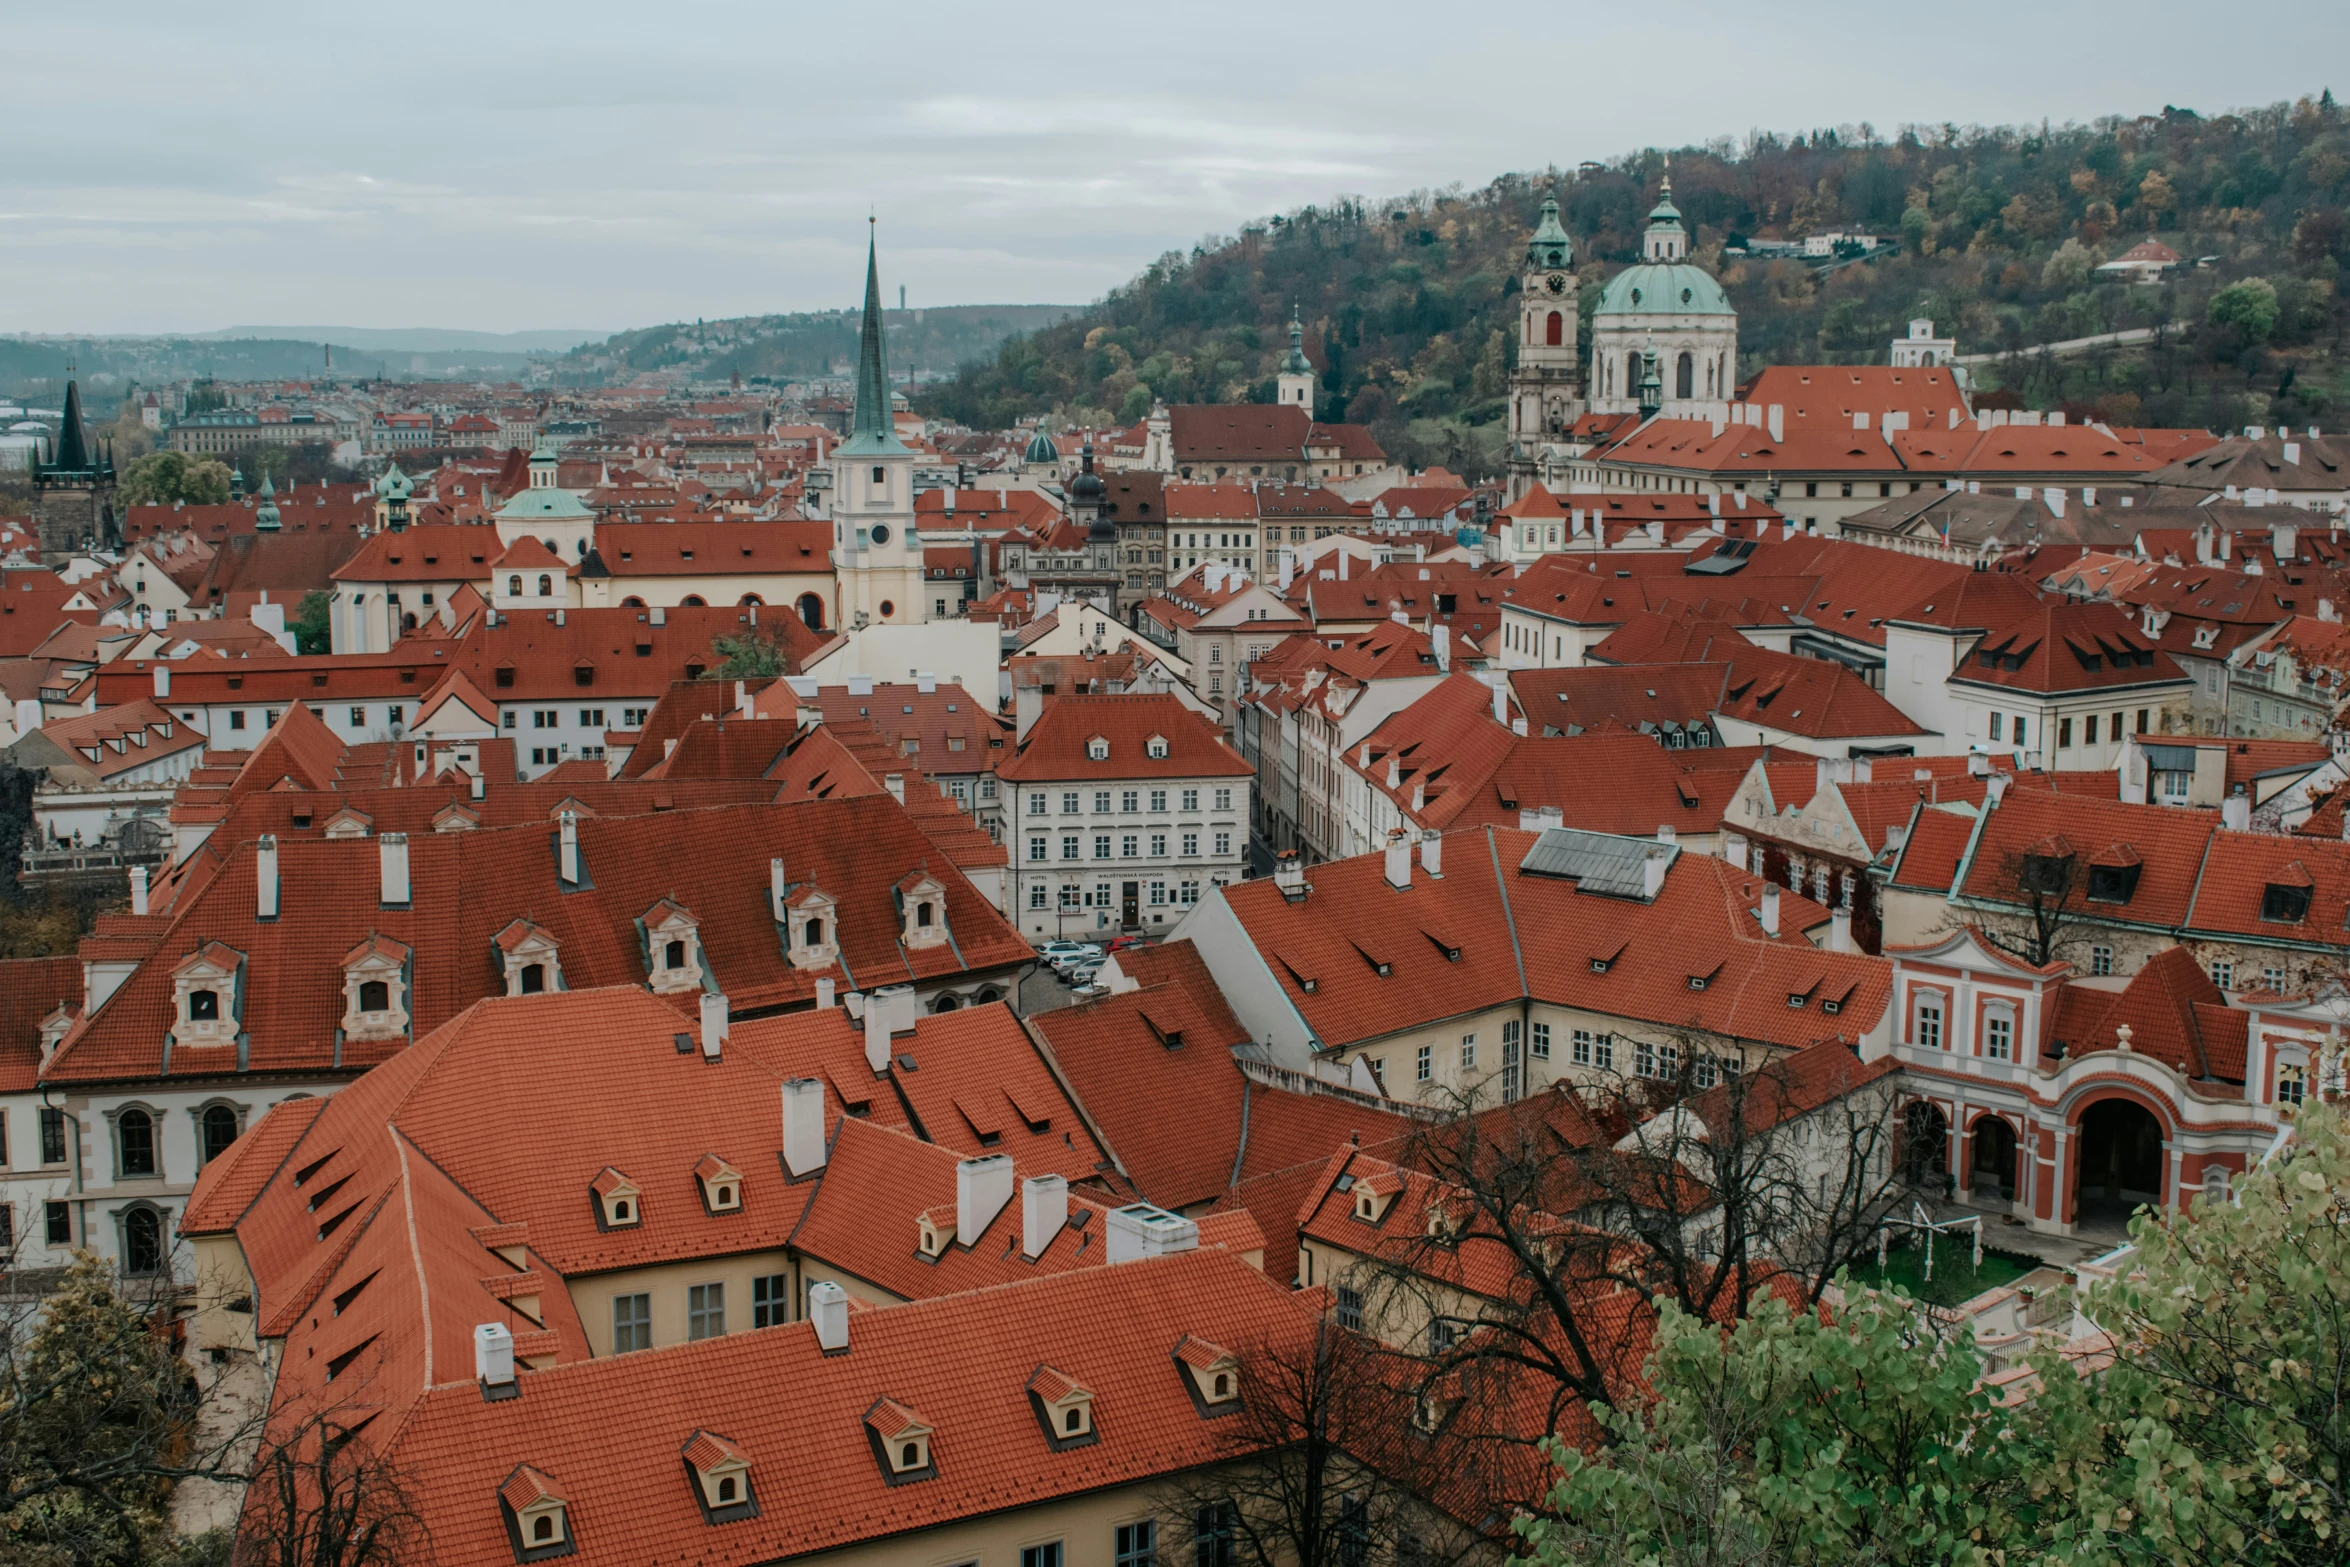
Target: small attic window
(619, 1202)
(721, 1185)
(1156, 748)
(1097, 749)
(2283, 903)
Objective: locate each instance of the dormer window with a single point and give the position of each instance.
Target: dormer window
(620, 1202)
(528, 953)
(901, 1441)
(208, 989)
(1212, 1373)
(922, 905)
(1063, 1408)
(1097, 749)
(538, 1519)
(812, 929)
(1373, 1195)
(721, 1473)
(934, 1232)
(673, 949)
(2286, 902)
(721, 1184)
(1155, 748)
(375, 990)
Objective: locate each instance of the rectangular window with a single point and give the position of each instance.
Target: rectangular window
(1927, 1031)
(1603, 1052)
(1158, 799)
(1101, 801)
(1039, 848)
(2064, 733)
(1998, 1036)
(1138, 1544)
(2224, 975)
(1191, 843)
(2290, 1081)
(358, 718)
(1069, 806)
(1223, 843)
(1350, 1307)
(1130, 801)
(2144, 718)
(2020, 738)
(1191, 799)
(1068, 897)
(987, 786)
(513, 718)
(632, 1323)
(1423, 1064)
(705, 1311)
(1579, 1047)
(236, 719)
(1644, 1059)
(1101, 845)
(1045, 1555)
(1130, 846)
(1036, 895)
(58, 1218)
(1997, 719)
(1468, 1052)
(1158, 894)
(52, 1135)
(2272, 980)
(591, 718)
(771, 1300)
(1036, 804)
(1069, 846)
(1223, 799)
(2089, 730)
(1542, 1041)
(1158, 845)
(1190, 893)
(1215, 1535)
(2101, 960)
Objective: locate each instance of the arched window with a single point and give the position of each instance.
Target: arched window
(986, 994)
(812, 611)
(1685, 376)
(546, 584)
(1075, 1418)
(1555, 333)
(142, 1243)
(910, 1457)
(534, 979)
(946, 1003)
(1632, 373)
(1223, 1385)
(815, 933)
(692, 601)
(135, 1133)
(750, 598)
(542, 1528)
(375, 995)
(922, 915)
(220, 1130)
(203, 1006)
(726, 1488)
(514, 586)
(673, 956)
(632, 602)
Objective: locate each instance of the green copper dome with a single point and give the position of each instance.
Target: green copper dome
(1673, 288)
(1550, 247)
(1295, 362)
(1041, 448)
(394, 485)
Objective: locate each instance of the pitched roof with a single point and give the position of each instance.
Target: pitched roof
(1056, 747)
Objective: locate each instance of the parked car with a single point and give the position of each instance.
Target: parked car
(1081, 973)
(1090, 989)
(1060, 954)
(1121, 943)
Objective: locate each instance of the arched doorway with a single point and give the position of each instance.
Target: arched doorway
(1991, 1160)
(1925, 1146)
(2120, 1167)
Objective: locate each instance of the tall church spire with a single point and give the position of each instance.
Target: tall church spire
(73, 443)
(875, 428)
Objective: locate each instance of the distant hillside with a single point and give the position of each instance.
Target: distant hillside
(36, 367)
(1407, 301)
(790, 347)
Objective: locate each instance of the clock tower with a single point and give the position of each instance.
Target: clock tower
(876, 555)
(1546, 388)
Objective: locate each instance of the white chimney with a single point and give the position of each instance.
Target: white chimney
(139, 888)
(479, 786)
(877, 1034)
(926, 682)
(1501, 703)
(1044, 1209)
(713, 1025)
(1399, 860)
(1734, 849)
(1442, 637)
(493, 1355)
(162, 680)
(568, 862)
(392, 855)
(265, 881)
(1776, 415)
(824, 991)
(1770, 908)
(1665, 834)
(982, 1189)
(803, 1126)
(1432, 855)
(2235, 812)
(1140, 1230)
(828, 1310)
(896, 784)
(1840, 931)
(775, 887)
(1978, 765)
(1652, 873)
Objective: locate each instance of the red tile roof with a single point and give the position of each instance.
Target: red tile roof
(1056, 747)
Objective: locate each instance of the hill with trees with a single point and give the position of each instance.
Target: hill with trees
(1995, 233)
(809, 344)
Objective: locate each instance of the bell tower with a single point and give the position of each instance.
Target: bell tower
(876, 555)
(1546, 388)
(1296, 381)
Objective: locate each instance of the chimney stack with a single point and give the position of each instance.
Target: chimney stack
(713, 1025)
(1399, 860)
(877, 1034)
(926, 682)
(1840, 931)
(163, 680)
(828, 1310)
(803, 1126)
(775, 887)
(1666, 834)
(478, 786)
(493, 1358)
(896, 784)
(138, 889)
(1432, 855)
(2235, 812)
(1770, 909)
(1734, 849)
(1776, 416)
(1652, 872)
(983, 1187)
(1501, 703)
(568, 862)
(265, 881)
(1044, 1209)
(1441, 636)
(392, 855)
(1289, 875)
(824, 990)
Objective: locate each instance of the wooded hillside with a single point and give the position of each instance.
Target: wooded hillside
(1997, 233)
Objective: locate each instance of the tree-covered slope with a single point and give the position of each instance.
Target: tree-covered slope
(1407, 302)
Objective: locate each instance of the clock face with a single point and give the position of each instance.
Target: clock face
(1556, 282)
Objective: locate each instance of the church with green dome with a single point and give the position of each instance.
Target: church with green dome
(1665, 305)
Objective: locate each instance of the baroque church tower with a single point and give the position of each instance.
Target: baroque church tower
(876, 555)
(1546, 388)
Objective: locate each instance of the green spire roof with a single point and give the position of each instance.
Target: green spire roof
(875, 429)
(266, 514)
(1296, 363)
(1550, 246)
(73, 444)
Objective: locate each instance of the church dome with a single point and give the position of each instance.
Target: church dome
(1041, 448)
(1663, 288)
(1087, 486)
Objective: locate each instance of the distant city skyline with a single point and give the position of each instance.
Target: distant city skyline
(523, 168)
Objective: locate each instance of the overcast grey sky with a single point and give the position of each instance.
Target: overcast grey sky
(502, 166)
